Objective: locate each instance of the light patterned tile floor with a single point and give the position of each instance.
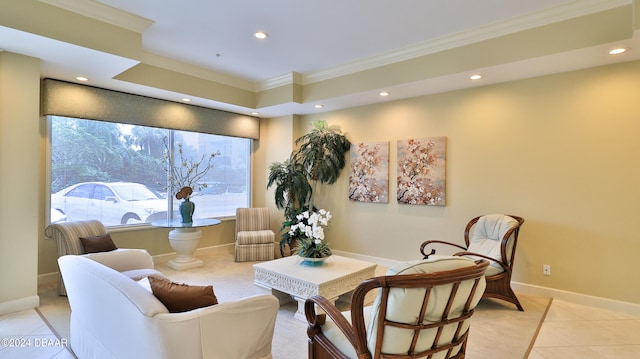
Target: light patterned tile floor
(26, 335)
(569, 331)
(577, 331)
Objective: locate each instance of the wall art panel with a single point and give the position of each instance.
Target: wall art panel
(369, 177)
(421, 171)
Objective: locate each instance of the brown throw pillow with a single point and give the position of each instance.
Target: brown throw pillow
(182, 297)
(102, 243)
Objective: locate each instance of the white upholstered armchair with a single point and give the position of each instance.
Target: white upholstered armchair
(113, 316)
(67, 237)
(254, 239)
(423, 309)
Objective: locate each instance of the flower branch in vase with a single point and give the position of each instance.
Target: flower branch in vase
(185, 174)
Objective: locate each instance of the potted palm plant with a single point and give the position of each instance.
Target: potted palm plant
(319, 159)
(292, 189)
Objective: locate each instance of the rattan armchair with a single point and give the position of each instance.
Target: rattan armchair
(493, 237)
(422, 308)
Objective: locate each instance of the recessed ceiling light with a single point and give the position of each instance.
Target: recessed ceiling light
(255, 113)
(261, 35)
(384, 93)
(82, 78)
(617, 51)
(318, 106)
(475, 77)
(186, 99)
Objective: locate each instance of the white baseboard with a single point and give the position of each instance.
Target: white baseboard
(18, 305)
(48, 278)
(202, 251)
(577, 298)
(377, 260)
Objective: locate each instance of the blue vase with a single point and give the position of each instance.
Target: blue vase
(186, 210)
(313, 262)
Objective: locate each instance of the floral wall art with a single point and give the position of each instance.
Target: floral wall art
(369, 178)
(421, 171)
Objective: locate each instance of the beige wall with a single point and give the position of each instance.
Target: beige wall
(561, 151)
(19, 181)
(276, 143)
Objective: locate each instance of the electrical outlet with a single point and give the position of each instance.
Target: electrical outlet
(546, 269)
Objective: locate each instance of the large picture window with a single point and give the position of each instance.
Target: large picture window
(120, 173)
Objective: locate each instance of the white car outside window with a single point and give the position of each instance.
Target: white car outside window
(114, 203)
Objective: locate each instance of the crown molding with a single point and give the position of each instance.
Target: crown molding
(108, 14)
(573, 9)
(282, 80)
(540, 18)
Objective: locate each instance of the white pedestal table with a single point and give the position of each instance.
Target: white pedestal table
(184, 239)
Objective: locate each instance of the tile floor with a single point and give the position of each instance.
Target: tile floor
(569, 331)
(25, 334)
(577, 331)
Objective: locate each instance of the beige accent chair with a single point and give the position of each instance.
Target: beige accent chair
(493, 237)
(67, 236)
(422, 309)
(113, 316)
(255, 241)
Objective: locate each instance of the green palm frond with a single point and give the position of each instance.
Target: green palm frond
(323, 152)
(292, 189)
(320, 158)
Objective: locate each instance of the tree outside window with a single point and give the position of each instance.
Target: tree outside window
(121, 173)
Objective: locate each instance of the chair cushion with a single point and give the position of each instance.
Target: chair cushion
(138, 274)
(404, 305)
(100, 243)
(255, 252)
(255, 237)
(181, 297)
(252, 219)
(487, 237)
(493, 270)
(123, 259)
(335, 336)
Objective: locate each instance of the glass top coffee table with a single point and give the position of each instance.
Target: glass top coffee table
(286, 278)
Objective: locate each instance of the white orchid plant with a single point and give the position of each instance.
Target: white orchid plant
(309, 230)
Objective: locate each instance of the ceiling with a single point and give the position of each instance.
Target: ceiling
(315, 45)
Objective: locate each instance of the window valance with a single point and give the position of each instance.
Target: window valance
(67, 99)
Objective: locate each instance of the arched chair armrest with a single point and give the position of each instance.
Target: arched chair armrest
(504, 266)
(433, 251)
(316, 320)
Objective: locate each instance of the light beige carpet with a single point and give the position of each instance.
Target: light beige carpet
(498, 329)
